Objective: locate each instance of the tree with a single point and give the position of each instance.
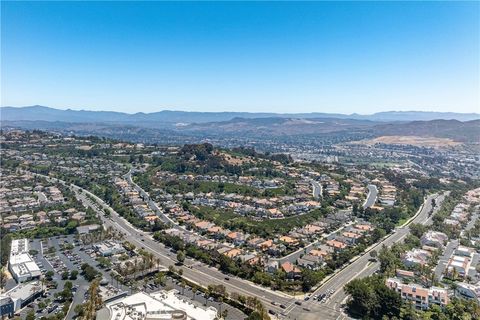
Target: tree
(159, 279)
(454, 287)
(309, 279)
(194, 291)
(79, 310)
(224, 314)
(94, 301)
(3, 278)
(65, 275)
(362, 298)
(181, 257)
(388, 260)
(371, 298)
(417, 229)
(73, 275)
(183, 284)
(255, 315)
(49, 275)
(104, 262)
(30, 315)
(389, 302)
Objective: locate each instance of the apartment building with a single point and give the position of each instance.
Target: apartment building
(418, 295)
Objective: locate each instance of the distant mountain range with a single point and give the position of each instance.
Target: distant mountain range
(185, 127)
(36, 113)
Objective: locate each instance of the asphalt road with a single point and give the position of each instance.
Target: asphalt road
(193, 271)
(317, 189)
(363, 267)
(202, 274)
(371, 197)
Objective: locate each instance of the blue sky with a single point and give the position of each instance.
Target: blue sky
(361, 57)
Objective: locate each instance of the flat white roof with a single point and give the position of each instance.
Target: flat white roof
(19, 246)
(24, 291)
(159, 305)
(23, 265)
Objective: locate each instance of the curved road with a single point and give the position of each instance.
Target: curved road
(204, 275)
(362, 266)
(371, 197)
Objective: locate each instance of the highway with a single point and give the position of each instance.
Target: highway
(204, 275)
(193, 270)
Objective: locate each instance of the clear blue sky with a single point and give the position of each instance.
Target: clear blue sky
(284, 57)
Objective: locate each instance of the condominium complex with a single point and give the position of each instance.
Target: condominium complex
(420, 296)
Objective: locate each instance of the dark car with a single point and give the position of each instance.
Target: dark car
(52, 308)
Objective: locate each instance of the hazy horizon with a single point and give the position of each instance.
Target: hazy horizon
(232, 111)
(251, 57)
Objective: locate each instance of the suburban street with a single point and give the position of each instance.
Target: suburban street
(371, 197)
(317, 189)
(285, 306)
(362, 266)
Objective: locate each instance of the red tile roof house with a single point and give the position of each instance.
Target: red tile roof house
(289, 240)
(336, 245)
(351, 237)
(204, 225)
(291, 270)
(233, 253)
(216, 231)
(319, 253)
(237, 238)
(364, 227)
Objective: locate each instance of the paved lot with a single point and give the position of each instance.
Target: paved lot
(443, 260)
(285, 304)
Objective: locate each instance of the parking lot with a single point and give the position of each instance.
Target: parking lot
(198, 297)
(59, 256)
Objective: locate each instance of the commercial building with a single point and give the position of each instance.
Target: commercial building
(109, 248)
(19, 297)
(21, 265)
(420, 296)
(87, 229)
(161, 305)
(6, 307)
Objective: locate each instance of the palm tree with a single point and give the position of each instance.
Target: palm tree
(194, 291)
(183, 284)
(220, 300)
(224, 314)
(135, 264)
(207, 295)
(454, 286)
